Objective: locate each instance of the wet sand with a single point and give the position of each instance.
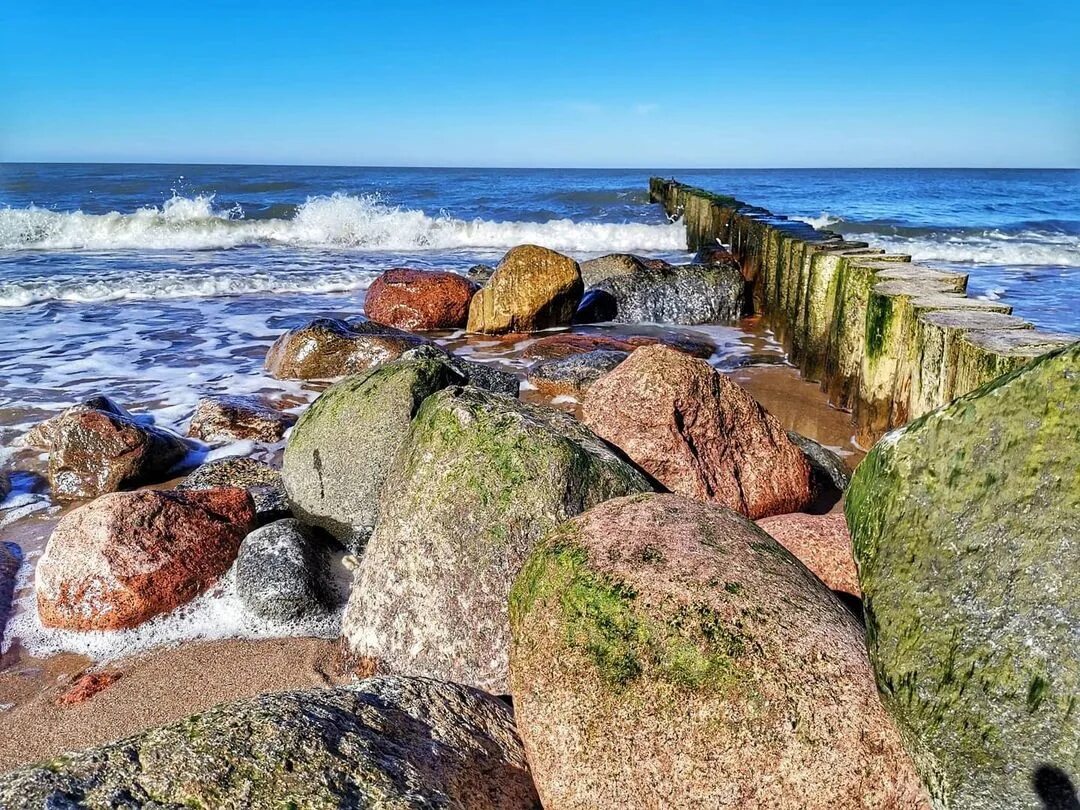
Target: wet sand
(170, 683)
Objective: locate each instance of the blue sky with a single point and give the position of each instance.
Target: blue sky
(629, 84)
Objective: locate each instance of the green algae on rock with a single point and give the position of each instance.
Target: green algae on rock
(964, 526)
(479, 480)
(669, 653)
(386, 742)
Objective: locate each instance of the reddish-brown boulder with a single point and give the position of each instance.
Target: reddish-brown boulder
(326, 348)
(420, 300)
(129, 556)
(566, 344)
(43, 436)
(822, 544)
(231, 418)
(669, 653)
(95, 452)
(86, 685)
(698, 433)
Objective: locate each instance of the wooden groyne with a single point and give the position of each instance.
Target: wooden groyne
(887, 338)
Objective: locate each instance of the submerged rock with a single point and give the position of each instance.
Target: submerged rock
(567, 344)
(338, 455)
(822, 544)
(326, 348)
(262, 482)
(668, 653)
(698, 433)
(281, 573)
(128, 556)
(965, 526)
(43, 436)
(685, 294)
(479, 479)
(11, 558)
(224, 418)
(385, 742)
(419, 300)
(573, 375)
(533, 288)
(95, 452)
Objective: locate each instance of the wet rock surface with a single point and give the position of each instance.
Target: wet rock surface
(11, 558)
(822, 543)
(386, 742)
(566, 344)
(574, 374)
(419, 300)
(533, 288)
(262, 481)
(829, 470)
(680, 294)
(327, 348)
(43, 436)
(227, 418)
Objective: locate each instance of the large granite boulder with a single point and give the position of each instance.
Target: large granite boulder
(419, 300)
(698, 433)
(128, 556)
(664, 293)
(393, 743)
(227, 418)
(282, 573)
(533, 288)
(262, 482)
(668, 653)
(43, 435)
(567, 344)
(965, 526)
(822, 543)
(326, 348)
(574, 374)
(338, 455)
(478, 481)
(95, 452)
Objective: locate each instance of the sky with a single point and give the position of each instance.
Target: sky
(584, 84)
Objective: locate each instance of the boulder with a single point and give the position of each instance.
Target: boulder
(43, 435)
(479, 479)
(419, 300)
(128, 556)
(95, 452)
(684, 294)
(828, 468)
(668, 653)
(574, 374)
(471, 372)
(965, 527)
(281, 573)
(480, 273)
(596, 270)
(385, 742)
(698, 433)
(225, 418)
(566, 344)
(326, 348)
(11, 558)
(262, 482)
(533, 288)
(338, 455)
(822, 544)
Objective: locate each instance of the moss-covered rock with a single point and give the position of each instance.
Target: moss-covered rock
(965, 526)
(479, 480)
(385, 743)
(669, 653)
(339, 453)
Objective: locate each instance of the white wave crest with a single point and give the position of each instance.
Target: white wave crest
(1034, 248)
(823, 221)
(338, 220)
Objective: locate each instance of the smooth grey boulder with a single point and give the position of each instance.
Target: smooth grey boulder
(662, 293)
(262, 482)
(388, 743)
(827, 467)
(282, 573)
(574, 374)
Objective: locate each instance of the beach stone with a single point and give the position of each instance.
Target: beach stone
(280, 573)
(262, 482)
(384, 742)
(11, 558)
(680, 294)
(419, 300)
(713, 254)
(822, 544)
(95, 452)
(225, 418)
(339, 454)
(479, 375)
(828, 468)
(533, 288)
(596, 270)
(43, 435)
(698, 433)
(574, 374)
(128, 556)
(669, 653)
(327, 348)
(86, 685)
(965, 527)
(479, 479)
(480, 273)
(566, 344)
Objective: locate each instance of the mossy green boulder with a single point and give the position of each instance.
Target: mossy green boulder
(479, 480)
(391, 743)
(339, 453)
(965, 526)
(668, 653)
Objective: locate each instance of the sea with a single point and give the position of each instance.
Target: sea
(157, 284)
